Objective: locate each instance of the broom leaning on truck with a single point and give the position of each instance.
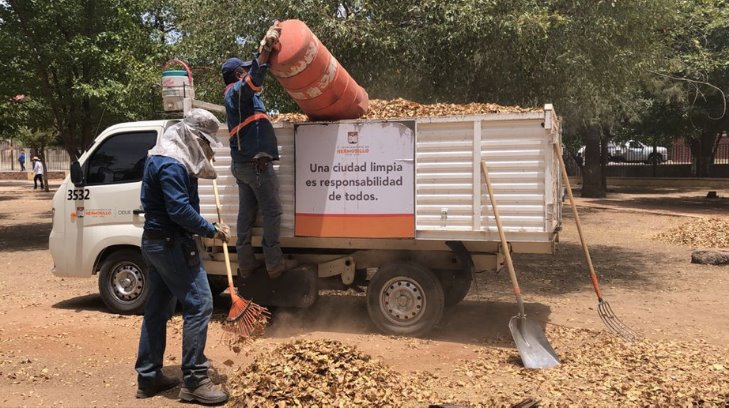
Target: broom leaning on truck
(414, 235)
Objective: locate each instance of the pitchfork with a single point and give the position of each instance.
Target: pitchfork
(603, 308)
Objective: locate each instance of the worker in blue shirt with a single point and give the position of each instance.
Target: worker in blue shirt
(253, 146)
(172, 215)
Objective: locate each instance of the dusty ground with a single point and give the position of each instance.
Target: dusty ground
(60, 347)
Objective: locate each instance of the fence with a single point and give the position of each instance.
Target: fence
(56, 160)
(635, 159)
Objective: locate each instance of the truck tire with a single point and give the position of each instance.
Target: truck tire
(218, 284)
(655, 158)
(123, 282)
(456, 284)
(405, 298)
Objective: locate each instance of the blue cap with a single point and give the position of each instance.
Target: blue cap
(229, 66)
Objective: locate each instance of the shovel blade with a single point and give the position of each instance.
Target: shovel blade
(534, 348)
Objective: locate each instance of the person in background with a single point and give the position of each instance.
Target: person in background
(21, 160)
(172, 215)
(38, 171)
(253, 146)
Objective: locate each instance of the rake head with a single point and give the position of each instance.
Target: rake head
(613, 323)
(245, 318)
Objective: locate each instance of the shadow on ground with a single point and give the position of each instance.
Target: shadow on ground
(469, 322)
(567, 272)
(25, 237)
(691, 200)
(83, 303)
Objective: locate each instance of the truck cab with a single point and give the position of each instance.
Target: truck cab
(97, 220)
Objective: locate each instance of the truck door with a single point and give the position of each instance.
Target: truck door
(107, 207)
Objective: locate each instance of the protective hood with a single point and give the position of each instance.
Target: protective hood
(184, 142)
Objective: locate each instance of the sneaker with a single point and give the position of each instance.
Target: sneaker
(279, 269)
(205, 393)
(161, 384)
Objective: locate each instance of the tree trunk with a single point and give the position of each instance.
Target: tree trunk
(604, 137)
(42, 152)
(592, 183)
(708, 138)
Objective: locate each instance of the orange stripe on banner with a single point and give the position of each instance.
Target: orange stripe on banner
(355, 225)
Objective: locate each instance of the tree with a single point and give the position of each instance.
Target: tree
(688, 96)
(87, 63)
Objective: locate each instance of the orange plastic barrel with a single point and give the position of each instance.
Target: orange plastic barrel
(316, 81)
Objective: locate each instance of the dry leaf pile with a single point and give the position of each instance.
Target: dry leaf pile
(702, 232)
(320, 373)
(600, 370)
(403, 108)
(597, 370)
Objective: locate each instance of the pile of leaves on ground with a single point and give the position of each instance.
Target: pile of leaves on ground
(699, 233)
(321, 373)
(597, 370)
(403, 108)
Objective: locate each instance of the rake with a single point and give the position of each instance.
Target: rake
(604, 310)
(245, 318)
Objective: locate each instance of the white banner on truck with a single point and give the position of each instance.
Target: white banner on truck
(355, 180)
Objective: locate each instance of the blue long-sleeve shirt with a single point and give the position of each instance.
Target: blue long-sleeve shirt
(170, 199)
(243, 100)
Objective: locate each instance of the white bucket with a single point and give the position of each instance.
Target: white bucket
(176, 86)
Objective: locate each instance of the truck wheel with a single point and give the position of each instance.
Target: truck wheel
(656, 158)
(405, 298)
(217, 283)
(123, 282)
(456, 285)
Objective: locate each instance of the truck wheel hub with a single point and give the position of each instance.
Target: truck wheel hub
(402, 300)
(127, 282)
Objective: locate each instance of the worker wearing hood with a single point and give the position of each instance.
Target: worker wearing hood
(172, 216)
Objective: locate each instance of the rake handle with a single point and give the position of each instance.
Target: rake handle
(588, 259)
(502, 237)
(225, 244)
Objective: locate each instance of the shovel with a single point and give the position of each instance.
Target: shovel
(533, 346)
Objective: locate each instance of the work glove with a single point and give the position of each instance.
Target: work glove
(222, 231)
(271, 37)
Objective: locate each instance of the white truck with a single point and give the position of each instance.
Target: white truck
(398, 206)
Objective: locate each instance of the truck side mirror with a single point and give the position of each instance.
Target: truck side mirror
(77, 175)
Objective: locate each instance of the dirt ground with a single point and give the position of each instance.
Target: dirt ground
(60, 347)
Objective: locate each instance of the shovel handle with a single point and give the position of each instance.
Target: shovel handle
(225, 244)
(588, 259)
(502, 237)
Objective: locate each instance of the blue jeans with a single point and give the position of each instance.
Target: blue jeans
(174, 273)
(257, 190)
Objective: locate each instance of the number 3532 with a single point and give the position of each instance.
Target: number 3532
(78, 194)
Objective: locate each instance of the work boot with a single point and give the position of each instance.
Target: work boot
(162, 383)
(279, 269)
(205, 393)
(248, 271)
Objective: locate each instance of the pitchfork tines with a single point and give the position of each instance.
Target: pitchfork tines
(613, 322)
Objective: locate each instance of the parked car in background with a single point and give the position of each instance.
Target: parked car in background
(615, 153)
(632, 151)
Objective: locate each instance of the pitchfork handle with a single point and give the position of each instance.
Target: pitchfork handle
(588, 259)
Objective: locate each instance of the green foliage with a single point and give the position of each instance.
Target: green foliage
(37, 139)
(87, 63)
(631, 66)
